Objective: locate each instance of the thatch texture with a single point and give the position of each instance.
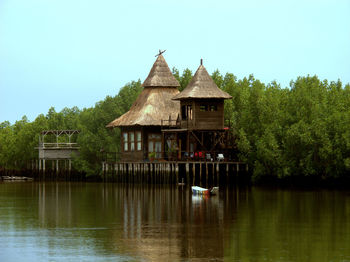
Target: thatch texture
(150, 107)
(202, 86)
(155, 101)
(160, 75)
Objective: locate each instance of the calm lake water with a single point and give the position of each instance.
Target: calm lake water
(114, 222)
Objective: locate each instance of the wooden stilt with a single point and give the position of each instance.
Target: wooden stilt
(213, 175)
(187, 171)
(177, 172)
(206, 174)
(227, 172)
(200, 174)
(193, 173)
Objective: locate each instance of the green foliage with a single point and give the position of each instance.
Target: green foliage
(303, 130)
(184, 79)
(18, 142)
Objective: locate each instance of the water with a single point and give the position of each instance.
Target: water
(112, 222)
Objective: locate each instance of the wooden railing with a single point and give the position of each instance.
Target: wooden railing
(59, 145)
(197, 156)
(170, 123)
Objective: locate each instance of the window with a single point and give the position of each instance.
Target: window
(155, 144)
(158, 149)
(125, 140)
(183, 113)
(213, 108)
(150, 146)
(132, 141)
(203, 108)
(138, 140)
(186, 112)
(189, 112)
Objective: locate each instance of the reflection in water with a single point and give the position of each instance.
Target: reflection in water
(112, 222)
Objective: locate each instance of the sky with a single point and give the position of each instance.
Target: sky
(66, 53)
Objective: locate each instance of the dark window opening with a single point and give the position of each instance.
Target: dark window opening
(203, 108)
(186, 112)
(189, 112)
(213, 108)
(183, 113)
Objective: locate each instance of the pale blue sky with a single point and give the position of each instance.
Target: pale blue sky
(66, 53)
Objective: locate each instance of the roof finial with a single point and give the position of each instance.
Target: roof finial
(160, 52)
(201, 61)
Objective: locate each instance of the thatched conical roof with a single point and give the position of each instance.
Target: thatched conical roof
(202, 86)
(150, 107)
(155, 101)
(160, 75)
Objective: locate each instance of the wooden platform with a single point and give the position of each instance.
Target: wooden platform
(174, 172)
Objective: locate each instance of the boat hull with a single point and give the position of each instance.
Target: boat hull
(196, 190)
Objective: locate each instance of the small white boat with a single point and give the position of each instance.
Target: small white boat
(196, 190)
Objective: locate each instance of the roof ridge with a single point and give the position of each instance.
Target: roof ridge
(160, 75)
(202, 85)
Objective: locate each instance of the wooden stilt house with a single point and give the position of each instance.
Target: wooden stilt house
(141, 134)
(201, 132)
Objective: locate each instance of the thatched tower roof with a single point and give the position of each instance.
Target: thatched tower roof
(155, 101)
(150, 107)
(160, 75)
(202, 86)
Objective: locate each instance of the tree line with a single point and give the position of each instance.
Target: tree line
(303, 130)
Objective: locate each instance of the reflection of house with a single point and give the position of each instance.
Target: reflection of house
(174, 125)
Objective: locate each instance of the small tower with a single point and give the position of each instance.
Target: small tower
(202, 103)
(141, 125)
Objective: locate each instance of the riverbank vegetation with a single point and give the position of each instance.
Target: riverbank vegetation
(300, 131)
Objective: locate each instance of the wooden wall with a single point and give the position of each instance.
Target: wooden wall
(60, 153)
(204, 120)
(137, 155)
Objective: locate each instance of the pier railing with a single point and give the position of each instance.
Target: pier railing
(170, 123)
(168, 156)
(58, 145)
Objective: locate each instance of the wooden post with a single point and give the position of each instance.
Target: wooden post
(217, 167)
(156, 176)
(161, 173)
(177, 172)
(179, 154)
(187, 165)
(123, 172)
(163, 145)
(206, 174)
(193, 173)
(227, 172)
(188, 143)
(171, 178)
(147, 172)
(213, 171)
